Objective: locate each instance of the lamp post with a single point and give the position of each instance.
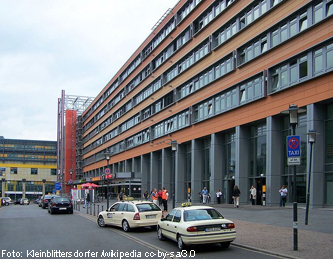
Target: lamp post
(311, 139)
(174, 149)
(107, 156)
(293, 119)
(71, 174)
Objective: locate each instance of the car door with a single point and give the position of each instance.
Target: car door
(119, 214)
(167, 228)
(174, 225)
(110, 215)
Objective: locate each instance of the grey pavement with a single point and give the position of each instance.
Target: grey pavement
(270, 229)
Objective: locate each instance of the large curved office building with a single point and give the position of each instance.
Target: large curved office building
(214, 78)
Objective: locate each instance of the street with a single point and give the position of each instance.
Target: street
(31, 232)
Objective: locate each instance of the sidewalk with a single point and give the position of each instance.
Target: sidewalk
(270, 229)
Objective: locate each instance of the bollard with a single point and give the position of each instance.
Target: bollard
(87, 209)
(94, 209)
(97, 209)
(90, 207)
(79, 206)
(102, 207)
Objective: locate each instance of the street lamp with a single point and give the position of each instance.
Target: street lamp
(174, 149)
(107, 156)
(293, 119)
(71, 174)
(311, 139)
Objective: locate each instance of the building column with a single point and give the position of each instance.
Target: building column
(23, 188)
(44, 180)
(196, 170)
(217, 165)
(3, 187)
(274, 159)
(167, 170)
(181, 188)
(154, 158)
(316, 121)
(242, 162)
(145, 173)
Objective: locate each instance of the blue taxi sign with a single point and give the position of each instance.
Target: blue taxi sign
(294, 150)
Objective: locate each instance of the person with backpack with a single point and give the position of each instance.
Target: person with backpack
(121, 196)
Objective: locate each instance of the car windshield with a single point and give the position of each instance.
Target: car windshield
(147, 207)
(201, 214)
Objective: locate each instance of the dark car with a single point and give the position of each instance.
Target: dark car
(44, 201)
(60, 204)
(17, 201)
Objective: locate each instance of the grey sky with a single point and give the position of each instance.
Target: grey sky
(77, 46)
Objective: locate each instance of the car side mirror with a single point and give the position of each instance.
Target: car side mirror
(163, 219)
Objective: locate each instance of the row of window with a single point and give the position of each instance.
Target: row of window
(288, 28)
(28, 157)
(181, 14)
(240, 94)
(33, 171)
(197, 54)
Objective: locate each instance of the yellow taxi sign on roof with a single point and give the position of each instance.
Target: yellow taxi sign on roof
(186, 204)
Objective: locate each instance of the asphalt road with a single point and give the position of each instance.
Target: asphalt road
(31, 232)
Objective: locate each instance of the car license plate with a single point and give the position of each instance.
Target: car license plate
(212, 229)
(62, 208)
(150, 216)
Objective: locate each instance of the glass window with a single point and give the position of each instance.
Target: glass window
(303, 23)
(318, 61)
(34, 171)
(275, 38)
(303, 67)
(329, 56)
(318, 12)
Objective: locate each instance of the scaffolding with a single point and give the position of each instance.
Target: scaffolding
(70, 103)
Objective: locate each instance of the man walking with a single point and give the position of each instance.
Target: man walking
(204, 193)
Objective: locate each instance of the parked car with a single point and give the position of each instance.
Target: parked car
(192, 225)
(18, 201)
(6, 201)
(24, 201)
(45, 200)
(37, 201)
(60, 204)
(130, 214)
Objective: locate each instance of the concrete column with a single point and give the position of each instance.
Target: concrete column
(196, 170)
(167, 170)
(3, 187)
(181, 188)
(154, 158)
(23, 188)
(274, 159)
(217, 165)
(44, 180)
(242, 162)
(145, 173)
(316, 121)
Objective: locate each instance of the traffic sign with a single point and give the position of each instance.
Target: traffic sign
(294, 150)
(107, 171)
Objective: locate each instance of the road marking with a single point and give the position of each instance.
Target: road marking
(139, 241)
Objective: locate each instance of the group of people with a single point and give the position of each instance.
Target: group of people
(158, 197)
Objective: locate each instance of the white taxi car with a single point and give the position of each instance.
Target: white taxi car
(130, 214)
(191, 225)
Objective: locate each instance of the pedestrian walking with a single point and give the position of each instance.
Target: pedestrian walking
(160, 197)
(165, 196)
(87, 200)
(236, 194)
(154, 196)
(283, 196)
(121, 196)
(218, 196)
(253, 195)
(204, 193)
(145, 195)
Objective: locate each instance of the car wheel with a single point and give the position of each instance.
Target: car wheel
(225, 245)
(100, 221)
(181, 245)
(159, 234)
(125, 226)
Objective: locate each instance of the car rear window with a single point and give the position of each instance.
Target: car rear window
(61, 199)
(201, 214)
(147, 207)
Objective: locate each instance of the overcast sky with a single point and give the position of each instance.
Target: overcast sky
(73, 45)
